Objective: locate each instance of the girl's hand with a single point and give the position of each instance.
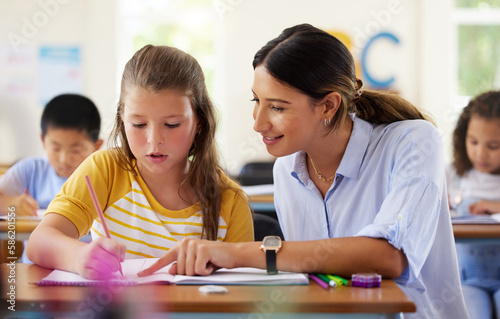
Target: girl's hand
(100, 258)
(485, 207)
(26, 205)
(196, 257)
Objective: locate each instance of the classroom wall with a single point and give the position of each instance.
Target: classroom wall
(419, 62)
(26, 26)
(248, 25)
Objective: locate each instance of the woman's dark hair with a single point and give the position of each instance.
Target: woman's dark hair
(317, 63)
(486, 105)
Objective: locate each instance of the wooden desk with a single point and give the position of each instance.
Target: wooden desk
(4, 168)
(22, 228)
(263, 204)
(268, 198)
(185, 301)
(477, 233)
(19, 231)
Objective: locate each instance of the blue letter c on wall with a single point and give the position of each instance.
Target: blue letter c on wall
(376, 83)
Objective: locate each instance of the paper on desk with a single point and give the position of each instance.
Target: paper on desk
(38, 216)
(476, 219)
(266, 189)
(130, 268)
(21, 217)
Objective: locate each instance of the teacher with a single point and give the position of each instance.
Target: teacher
(359, 182)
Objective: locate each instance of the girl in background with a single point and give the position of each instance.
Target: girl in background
(159, 183)
(474, 188)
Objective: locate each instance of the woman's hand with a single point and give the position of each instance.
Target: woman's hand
(196, 257)
(100, 258)
(485, 207)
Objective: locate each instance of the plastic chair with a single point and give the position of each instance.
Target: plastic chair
(256, 173)
(264, 225)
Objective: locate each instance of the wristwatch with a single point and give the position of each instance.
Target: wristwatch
(271, 245)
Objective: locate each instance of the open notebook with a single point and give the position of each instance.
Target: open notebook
(476, 219)
(130, 268)
(38, 216)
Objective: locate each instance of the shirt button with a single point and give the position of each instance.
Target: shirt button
(400, 216)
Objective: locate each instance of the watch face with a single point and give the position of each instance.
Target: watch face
(272, 242)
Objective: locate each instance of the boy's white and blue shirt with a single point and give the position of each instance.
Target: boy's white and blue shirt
(390, 184)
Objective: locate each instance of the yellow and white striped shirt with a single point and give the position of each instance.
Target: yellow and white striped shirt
(132, 214)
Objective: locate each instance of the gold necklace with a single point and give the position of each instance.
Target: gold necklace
(324, 179)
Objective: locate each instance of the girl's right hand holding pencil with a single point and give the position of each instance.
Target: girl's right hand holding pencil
(100, 259)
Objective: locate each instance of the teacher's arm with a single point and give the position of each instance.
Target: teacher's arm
(342, 256)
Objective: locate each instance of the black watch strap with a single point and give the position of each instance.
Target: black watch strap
(271, 262)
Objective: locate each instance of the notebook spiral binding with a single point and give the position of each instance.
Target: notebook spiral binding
(88, 284)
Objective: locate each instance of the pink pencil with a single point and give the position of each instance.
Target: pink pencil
(98, 209)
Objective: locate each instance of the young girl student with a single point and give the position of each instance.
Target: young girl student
(159, 184)
(359, 179)
(473, 181)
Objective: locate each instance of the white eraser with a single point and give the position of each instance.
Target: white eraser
(213, 289)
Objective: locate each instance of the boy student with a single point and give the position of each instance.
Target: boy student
(70, 132)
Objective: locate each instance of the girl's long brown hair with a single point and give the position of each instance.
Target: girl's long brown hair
(157, 68)
(317, 63)
(486, 105)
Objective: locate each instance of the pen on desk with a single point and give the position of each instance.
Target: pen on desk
(330, 282)
(339, 280)
(318, 281)
(99, 211)
(344, 281)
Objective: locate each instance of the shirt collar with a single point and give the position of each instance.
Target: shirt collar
(353, 156)
(299, 167)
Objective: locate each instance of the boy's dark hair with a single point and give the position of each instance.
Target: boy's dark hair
(72, 111)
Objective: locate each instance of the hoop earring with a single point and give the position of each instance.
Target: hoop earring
(327, 121)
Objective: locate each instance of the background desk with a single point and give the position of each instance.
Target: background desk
(263, 204)
(23, 228)
(477, 233)
(186, 302)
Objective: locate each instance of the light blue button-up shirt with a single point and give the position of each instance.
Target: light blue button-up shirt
(390, 184)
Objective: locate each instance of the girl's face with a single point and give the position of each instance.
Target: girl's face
(482, 143)
(160, 128)
(283, 115)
